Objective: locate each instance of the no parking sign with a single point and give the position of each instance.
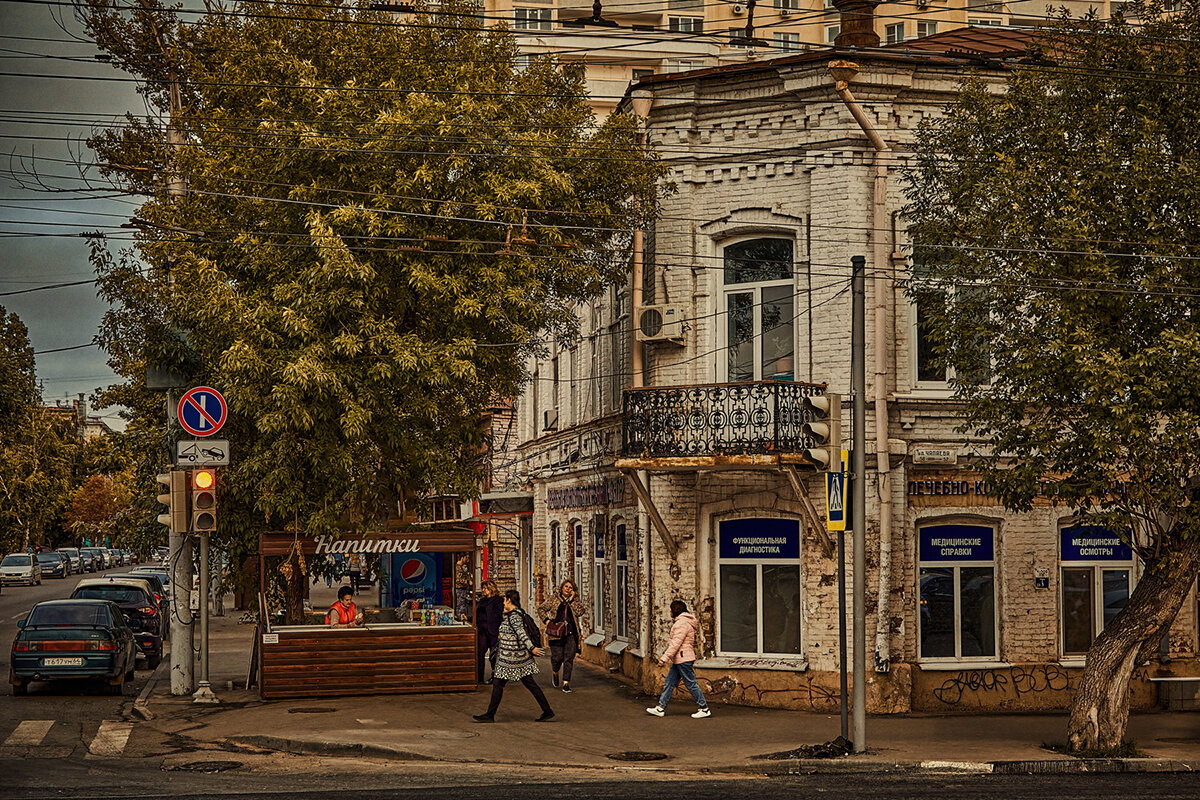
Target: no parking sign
(202, 411)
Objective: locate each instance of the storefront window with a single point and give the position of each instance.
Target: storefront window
(957, 591)
(622, 593)
(759, 585)
(599, 577)
(1096, 571)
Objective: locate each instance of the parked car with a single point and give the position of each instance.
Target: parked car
(73, 556)
(54, 564)
(157, 590)
(20, 568)
(164, 577)
(135, 599)
(62, 639)
(94, 557)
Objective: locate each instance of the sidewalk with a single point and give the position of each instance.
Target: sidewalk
(604, 716)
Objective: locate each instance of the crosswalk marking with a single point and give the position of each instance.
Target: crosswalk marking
(111, 739)
(29, 733)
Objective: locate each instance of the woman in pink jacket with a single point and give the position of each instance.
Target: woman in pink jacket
(681, 651)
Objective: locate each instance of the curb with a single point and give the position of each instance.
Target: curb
(299, 747)
(1093, 765)
(141, 706)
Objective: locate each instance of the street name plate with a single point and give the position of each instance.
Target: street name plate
(935, 455)
(202, 453)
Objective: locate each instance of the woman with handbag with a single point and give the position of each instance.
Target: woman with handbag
(515, 662)
(564, 615)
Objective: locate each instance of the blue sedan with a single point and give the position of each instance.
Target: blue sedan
(70, 639)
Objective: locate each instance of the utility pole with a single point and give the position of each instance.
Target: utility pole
(858, 388)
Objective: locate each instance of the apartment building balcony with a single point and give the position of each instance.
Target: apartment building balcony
(711, 426)
(626, 13)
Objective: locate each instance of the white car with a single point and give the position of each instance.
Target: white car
(20, 568)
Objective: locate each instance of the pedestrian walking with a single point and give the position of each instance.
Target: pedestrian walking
(355, 571)
(681, 652)
(515, 662)
(489, 610)
(563, 615)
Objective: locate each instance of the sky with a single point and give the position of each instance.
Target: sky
(39, 227)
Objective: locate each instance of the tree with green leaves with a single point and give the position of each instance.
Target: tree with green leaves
(1058, 224)
(357, 226)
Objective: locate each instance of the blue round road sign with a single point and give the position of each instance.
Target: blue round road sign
(202, 411)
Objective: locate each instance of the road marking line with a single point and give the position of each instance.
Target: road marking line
(29, 733)
(111, 739)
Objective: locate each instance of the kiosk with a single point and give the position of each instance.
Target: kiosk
(430, 653)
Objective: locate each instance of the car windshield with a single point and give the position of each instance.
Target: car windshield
(71, 551)
(81, 614)
(48, 558)
(118, 594)
(15, 560)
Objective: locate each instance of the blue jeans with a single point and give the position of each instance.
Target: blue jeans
(686, 672)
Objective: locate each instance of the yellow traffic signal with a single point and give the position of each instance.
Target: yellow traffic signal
(204, 500)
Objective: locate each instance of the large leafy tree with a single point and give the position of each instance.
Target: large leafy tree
(1059, 222)
(355, 227)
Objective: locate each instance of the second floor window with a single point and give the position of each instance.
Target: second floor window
(831, 32)
(787, 41)
(895, 33)
(926, 29)
(759, 310)
(537, 19)
(685, 24)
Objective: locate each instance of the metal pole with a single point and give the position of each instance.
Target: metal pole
(845, 692)
(204, 693)
(858, 380)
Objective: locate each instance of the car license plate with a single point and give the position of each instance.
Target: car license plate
(62, 662)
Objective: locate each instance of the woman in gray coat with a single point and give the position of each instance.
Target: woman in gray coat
(515, 661)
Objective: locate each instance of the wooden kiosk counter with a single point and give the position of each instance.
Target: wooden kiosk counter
(380, 658)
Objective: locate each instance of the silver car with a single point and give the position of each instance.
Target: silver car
(20, 568)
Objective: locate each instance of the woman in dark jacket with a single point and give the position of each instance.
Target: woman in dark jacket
(515, 662)
(488, 612)
(564, 611)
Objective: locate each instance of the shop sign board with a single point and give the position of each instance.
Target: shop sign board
(1093, 543)
(759, 538)
(956, 543)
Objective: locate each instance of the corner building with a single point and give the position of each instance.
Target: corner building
(690, 483)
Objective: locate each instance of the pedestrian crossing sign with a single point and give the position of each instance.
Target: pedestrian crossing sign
(835, 497)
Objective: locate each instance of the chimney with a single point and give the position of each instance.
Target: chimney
(858, 23)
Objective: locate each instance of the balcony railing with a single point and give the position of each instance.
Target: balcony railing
(723, 419)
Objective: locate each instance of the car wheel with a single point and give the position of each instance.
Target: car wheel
(117, 686)
(130, 675)
(20, 686)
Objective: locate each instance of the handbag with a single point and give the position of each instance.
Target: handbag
(556, 629)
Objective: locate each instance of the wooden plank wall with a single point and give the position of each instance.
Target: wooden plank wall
(369, 661)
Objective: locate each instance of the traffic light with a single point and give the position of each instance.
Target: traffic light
(824, 428)
(176, 500)
(204, 500)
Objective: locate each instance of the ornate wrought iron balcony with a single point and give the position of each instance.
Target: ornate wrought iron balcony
(713, 420)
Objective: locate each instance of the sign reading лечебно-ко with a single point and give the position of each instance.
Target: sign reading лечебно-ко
(760, 538)
(1093, 543)
(957, 543)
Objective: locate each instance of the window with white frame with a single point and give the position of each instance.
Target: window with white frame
(831, 32)
(787, 5)
(759, 303)
(685, 24)
(578, 574)
(957, 591)
(599, 574)
(737, 37)
(1097, 573)
(895, 33)
(556, 554)
(926, 28)
(981, 21)
(533, 19)
(758, 585)
(621, 595)
(787, 41)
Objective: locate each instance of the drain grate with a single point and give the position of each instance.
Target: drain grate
(637, 755)
(208, 766)
(313, 710)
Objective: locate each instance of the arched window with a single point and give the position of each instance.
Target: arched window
(759, 303)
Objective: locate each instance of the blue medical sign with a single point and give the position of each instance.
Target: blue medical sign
(760, 538)
(957, 543)
(202, 411)
(1093, 543)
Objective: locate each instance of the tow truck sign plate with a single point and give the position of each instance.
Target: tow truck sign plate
(202, 453)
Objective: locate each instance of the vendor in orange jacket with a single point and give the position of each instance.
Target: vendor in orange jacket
(343, 613)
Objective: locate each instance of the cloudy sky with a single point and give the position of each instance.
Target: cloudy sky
(43, 122)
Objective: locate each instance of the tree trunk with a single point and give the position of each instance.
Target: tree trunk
(1100, 709)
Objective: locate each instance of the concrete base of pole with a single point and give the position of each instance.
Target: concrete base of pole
(205, 694)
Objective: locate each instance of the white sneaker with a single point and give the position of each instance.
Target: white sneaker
(701, 714)
(657, 711)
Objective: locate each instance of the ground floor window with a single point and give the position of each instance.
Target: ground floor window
(957, 575)
(556, 548)
(1097, 569)
(578, 576)
(759, 586)
(599, 576)
(622, 593)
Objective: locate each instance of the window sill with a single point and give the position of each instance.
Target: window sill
(616, 647)
(595, 640)
(797, 664)
(949, 666)
(1073, 662)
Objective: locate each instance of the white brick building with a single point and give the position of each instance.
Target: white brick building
(776, 190)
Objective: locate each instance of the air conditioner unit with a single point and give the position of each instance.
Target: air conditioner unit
(660, 323)
(550, 420)
(922, 3)
(739, 9)
(787, 12)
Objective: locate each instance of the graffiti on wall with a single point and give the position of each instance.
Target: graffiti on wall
(1033, 679)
